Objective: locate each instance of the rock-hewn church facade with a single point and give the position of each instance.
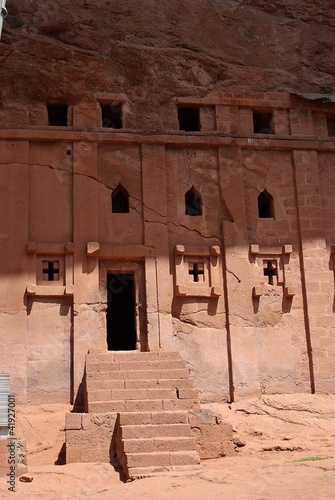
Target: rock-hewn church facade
(214, 238)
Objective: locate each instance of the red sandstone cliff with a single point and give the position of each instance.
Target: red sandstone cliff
(153, 50)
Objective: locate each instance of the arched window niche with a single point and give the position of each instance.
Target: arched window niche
(120, 200)
(193, 203)
(266, 208)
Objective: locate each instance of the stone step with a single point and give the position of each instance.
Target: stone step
(170, 470)
(93, 385)
(161, 459)
(112, 366)
(154, 417)
(155, 431)
(133, 394)
(111, 356)
(150, 445)
(143, 406)
(166, 374)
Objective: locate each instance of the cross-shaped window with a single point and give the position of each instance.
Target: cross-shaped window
(50, 270)
(196, 269)
(270, 270)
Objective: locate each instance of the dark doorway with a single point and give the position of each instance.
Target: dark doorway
(121, 329)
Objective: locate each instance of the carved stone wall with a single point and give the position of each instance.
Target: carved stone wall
(228, 231)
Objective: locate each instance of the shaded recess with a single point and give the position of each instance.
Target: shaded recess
(57, 115)
(193, 203)
(263, 122)
(111, 115)
(331, 126)
(120, 200)
(266, 205)
(189, 118)
(121, 328)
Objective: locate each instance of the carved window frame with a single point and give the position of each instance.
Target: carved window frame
(209, 258)
(41, 252)
(280, 254)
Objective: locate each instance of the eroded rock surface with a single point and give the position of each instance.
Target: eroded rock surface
(161, 49)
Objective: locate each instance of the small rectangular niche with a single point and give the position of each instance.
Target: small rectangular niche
(57, 115)
(111, 115)
(189, 118)
(263, 122)
(331, 126)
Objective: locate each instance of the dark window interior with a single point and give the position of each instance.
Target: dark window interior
(265, 205)
(111, 115)
(263, 123)
(193, 204)
(189, 118)
(270, 271)
(331, 126)
(120, 200)
(57, 115)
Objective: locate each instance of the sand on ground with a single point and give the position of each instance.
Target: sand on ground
(279, 433)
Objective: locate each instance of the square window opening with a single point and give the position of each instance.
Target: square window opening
(111, 115)
(57, 115)
(331, 126)
(189, 118)
(263, 122)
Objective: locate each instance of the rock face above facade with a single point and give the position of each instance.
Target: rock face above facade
(157, 50)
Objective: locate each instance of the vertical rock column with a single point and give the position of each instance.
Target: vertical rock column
(14, 223)
(86, 270)
(317, 278)
(157, 270)
(241, 342)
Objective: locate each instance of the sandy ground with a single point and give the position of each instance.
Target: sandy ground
(276, 430)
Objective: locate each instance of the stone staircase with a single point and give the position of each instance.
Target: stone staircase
(153, 395)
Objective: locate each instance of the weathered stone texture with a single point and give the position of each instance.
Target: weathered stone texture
(89, 437)
(213, 45)
(214, 438)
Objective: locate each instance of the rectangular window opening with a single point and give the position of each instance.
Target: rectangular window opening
(263, 122)
(189, 118)
(331, 126)
(111, 115)
(57, 115)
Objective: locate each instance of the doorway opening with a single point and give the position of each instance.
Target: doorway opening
(121, 324)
